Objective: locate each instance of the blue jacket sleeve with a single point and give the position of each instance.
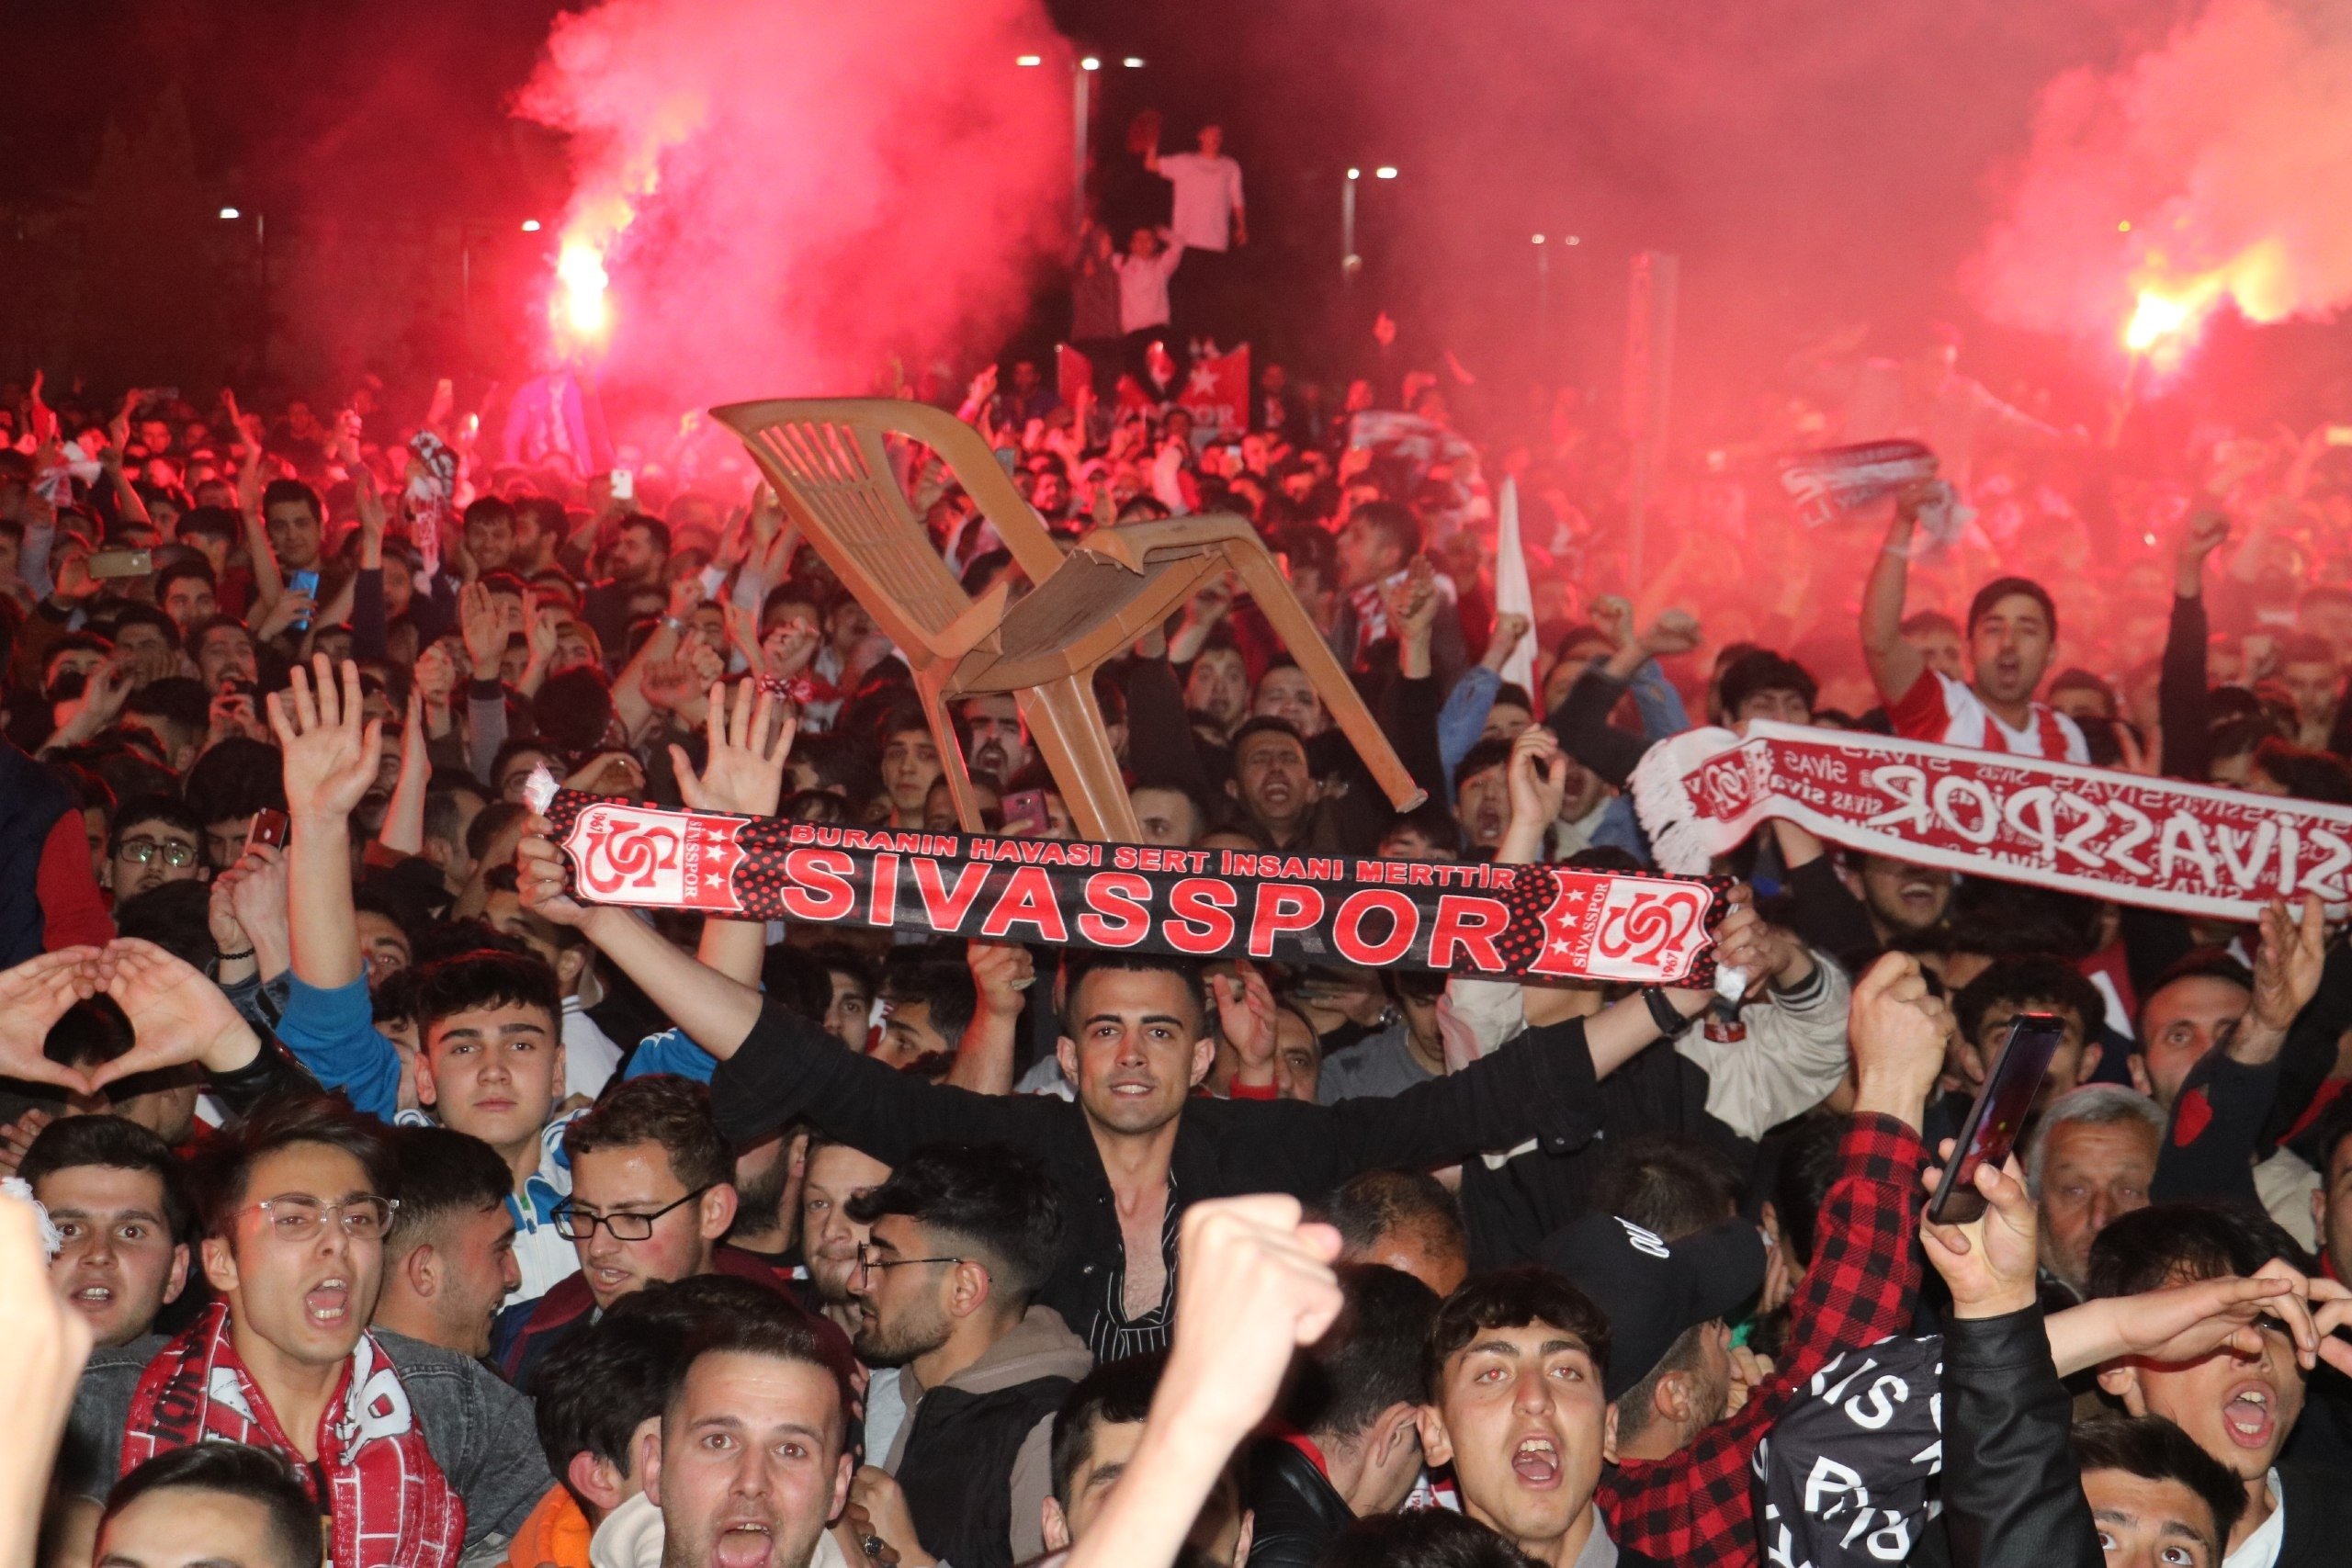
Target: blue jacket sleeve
(332, 1034)
(1463, 718)
(672, 1053)
(1661, 706)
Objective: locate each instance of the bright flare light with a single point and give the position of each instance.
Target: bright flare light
(229, 212)
(2169, 312)
(583, 312)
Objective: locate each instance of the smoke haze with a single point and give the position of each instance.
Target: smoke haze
(786, 193)
(2225, 148)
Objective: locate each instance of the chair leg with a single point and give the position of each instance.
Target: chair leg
(1066, 728)
(929, 685)
(1310, 653)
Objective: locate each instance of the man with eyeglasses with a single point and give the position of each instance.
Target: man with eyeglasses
(409, 1453)
(652, 1192)
(155, 840)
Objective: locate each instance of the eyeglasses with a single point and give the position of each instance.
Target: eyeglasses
(574, 1225)
(298, 1216)
(142, 851)
(870, 1258)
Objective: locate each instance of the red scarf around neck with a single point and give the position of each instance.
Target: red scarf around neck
(390, 1506)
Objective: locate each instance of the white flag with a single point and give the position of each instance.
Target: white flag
(1512, 593)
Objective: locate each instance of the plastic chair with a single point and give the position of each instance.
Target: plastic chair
(827, 460)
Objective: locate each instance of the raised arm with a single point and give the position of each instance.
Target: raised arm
(331, 755)
(742, 772)
(1895, 664)
(2183, 703)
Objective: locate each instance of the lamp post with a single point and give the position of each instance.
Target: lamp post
(1349, 261)
(260, 263)
(1082, 72)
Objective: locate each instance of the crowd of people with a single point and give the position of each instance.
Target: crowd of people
(402, 1208)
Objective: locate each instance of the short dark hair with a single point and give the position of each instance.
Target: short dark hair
(777, 1331)
(174, 699)
(488, 509)
(444, 1174)
(117, 1145)
(1265, 723)
(1665, 1183)
(2198, 964)
(658, 1109)
(2175, 1243)
(1810, 1163)
(1764, 670)
(1369, 1359)
(2329, 1130)
(946, 988)
(194, 567)
(165, 808)
(1426, 1538)
(281, 491)
(1394, 521)
(1116, 1394)
(1080, 962)
(143, 614)
(235, 778)
(280, 1121)
(486, 978)
(2031, 981)
(1482, 756)
(1374, 1204)
(2001, 588)
(175, 917)
(1001, 1200)
(212, 522)
(237, 1470)
(2152, 1448)
(2305, 772)
(606, 1376)
(1516, 1297)
(654, 527)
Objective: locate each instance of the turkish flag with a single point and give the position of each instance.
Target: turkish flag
(1216, 393)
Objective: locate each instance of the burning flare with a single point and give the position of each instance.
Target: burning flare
(2170, 312)
(581, 314)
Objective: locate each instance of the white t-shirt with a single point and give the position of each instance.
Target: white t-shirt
(1208, 195)
(1143, 286)
(2260, 1549)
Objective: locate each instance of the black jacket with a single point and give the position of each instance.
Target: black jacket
(2012, 1494)
(1540, 1086)
(1299, 1513)
(2319, 1518)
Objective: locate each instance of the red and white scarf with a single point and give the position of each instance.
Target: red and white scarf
(2155, 842)
(390, 1506)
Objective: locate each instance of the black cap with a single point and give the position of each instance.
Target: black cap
(1651, 1290)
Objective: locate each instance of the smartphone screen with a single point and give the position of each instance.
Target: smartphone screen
(1993, 1122)
(268, 828)
(303, 581)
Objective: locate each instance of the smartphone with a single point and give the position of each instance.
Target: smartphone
(1024, 814)
(624, 485)
(1993, 1122)
(303, 581)
(269, 828)
(122, 563)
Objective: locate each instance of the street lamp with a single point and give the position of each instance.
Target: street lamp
(231, 214)
(1081, 115)
(1350, 263)
(530, 225)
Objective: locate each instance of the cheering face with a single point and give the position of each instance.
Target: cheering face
(493, 1072)
(2239, 1407)
(829, 1237)
(2180, 1023)
(1218, 685)
(1139, 1046)
(998, 745)
(752, 1464)
(2144, 1521)
(478, 1254)
(305, 1289)
(118, 1266)
(1521, 1417)
(1902, 896)
(1270, 777)
(1482, 805)
(2010, 646)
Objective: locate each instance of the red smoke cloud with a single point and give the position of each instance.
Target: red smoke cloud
(785, 193)
(2222, 149)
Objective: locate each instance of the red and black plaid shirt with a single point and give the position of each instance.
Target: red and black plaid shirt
(1697, 1509)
